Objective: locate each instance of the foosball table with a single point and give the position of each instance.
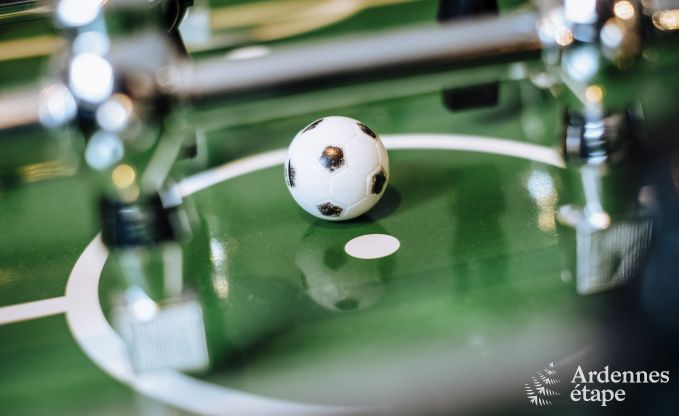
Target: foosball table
(479, 207)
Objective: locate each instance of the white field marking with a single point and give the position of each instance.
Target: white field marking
(104, 346)
(32, 310)
(372, 246)
(513, 148)
(459, 142)
(232, 170)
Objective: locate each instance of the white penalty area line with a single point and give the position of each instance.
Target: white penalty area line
(32, 310)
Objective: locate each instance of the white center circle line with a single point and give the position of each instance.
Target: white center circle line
(105, 348)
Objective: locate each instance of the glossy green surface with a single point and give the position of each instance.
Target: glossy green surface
(474, 273)
(44, 372)
(45, 226)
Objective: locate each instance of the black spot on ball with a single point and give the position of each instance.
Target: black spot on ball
(367, 130)
(312, 125)
(290, 174)
(330, 210)
(378, 181)
(332, 158)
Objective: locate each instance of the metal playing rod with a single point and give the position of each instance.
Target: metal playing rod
(415, 47)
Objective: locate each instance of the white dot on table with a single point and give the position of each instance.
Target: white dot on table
(372, 246)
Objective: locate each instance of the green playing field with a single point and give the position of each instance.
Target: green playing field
(475, 281)
(471, 299)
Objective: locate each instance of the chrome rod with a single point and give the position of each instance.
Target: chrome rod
(417, 47)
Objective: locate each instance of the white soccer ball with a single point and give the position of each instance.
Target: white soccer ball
(337, 168)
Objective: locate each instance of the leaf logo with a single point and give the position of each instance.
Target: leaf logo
(539, 391)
